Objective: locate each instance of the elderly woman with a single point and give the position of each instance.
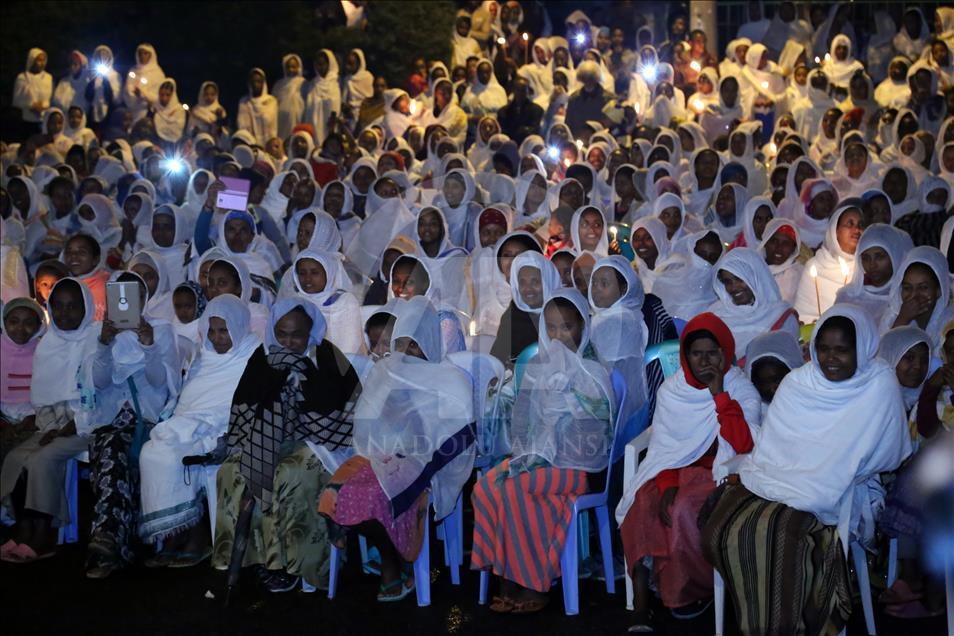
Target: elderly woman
(289, 430)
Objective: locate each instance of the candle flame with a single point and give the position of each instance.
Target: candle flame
(694, 65)
(473, 327)
(525, 36)
(813, 272)
(132, 74)
(844, 266)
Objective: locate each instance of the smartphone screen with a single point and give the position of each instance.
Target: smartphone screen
(235, 194)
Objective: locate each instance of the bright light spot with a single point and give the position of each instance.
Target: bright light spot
(580, 38)
(525, 36)
(567, 162)
(473, 327)
(413, 106)
(697, 104)
(553, 152)
(185, 107)
(579, 144)
(501, 41)
(827, 57)
(773, 148)
(175, 165)
(102, 69)
(764, 84)
(143, 81)
(844, 267)
(613, 230)
(132, 74)
(648, 72)
(813, 272)
(817, 60)
(694, 65)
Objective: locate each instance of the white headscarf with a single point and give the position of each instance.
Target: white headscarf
(322, 97)
(602, 246)
(787, 274)
(549, 277)
(943, 312)
(768, 309)
(655, 228)
(359, 85)
(839, 72)
(170, 119)
(262, 112)
(491, 289)
(845, 432)
(834, 267)
(153, 75)
(891, 94)
(894, 344)
(288, 92)
(874, 300)
(714, 221)
(908, 46)
(684, 281)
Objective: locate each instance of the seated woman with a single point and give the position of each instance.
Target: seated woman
(31, 480)
(532, 279)
(877, 260)
(833, 265)
(84, 258)
(588, 231)
(725, 216)
(705, 414)
(238, 237)
(779, 531)
(410, 277)
(768, 359)
(319, 277)
(24, 323)
(445, 261)
(684, 280)
(755, 217)
(489, 288)
(618, 331)
(294, 403)
(229, 276)
(669, 209)
(781, 247)
(173, 505)
(413, 404)
(136, 376)
(920, 295)
(560, 432)
(907, 350)
(652, 247)
(749, 302)
(914, 594)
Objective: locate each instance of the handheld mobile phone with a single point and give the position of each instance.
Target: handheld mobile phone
(123, 304)
(235, 194)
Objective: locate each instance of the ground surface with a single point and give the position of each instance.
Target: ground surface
(53, 596)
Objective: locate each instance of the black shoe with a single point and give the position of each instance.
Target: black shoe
(691, 611)
(280, 581)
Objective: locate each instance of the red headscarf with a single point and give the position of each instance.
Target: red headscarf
(713, 324)
(398, 159)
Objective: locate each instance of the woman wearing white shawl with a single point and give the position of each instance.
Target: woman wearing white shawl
(683, 281)
(742, 150)
(532, 200)
(749, 300)
(855, 171)
(480, 152)
(279, 190)
(458, 212)
(896, 344)
(104, 226)
(809, 110)
(670, 209)
(59, 143)
(652, 247)
(322, 95)
(811, 214)
(446, 262)
(833, 265)
(71, 90)
(323, 235)
(913, 34)
(532, 279)
(716, 119)
(169, 117)
(777, 353)
(397, 114)
(445, 112)
(734, 60)
(725, 216)
(920, 294)
(618, 331)
(33, 88)
(141, 89)
(256, 251)
(358, 83)
(172, 505)
(158, 305)
(880, 49)
(463, 46)
(844, 415)
(894, 91)
(287, 91)
(62, 393)
(380, 227)
(229, 275)
(136, 374)
(412, 276)
(104, 89)
(699, 181)
(76, 129)
(561, 430)
(870, 284)
(319, 277)
(840, 69)
(413, 437)
(258, 111)
(588, 230)
(755, 217)
(706, 413)
(489, 288)
(537, 72)
(207, 114)
(763, 80)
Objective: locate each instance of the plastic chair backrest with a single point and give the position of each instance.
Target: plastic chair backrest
(520, 364)
(805, 333)
(667, 352)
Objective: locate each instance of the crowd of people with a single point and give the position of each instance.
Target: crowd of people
(460, 270)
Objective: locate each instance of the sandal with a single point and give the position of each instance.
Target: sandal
(190, 559)
(502, 605)
(25, 554)
(529, 607)
(383, 597)
(7, 549)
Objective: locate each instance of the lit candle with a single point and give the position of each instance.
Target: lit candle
(473, 327)
(579, 144)
(697, 104)
(764, 84)
(501, 41)
(694, 65)
(844, 269)
(813, 272)
(185, 107)
(526, 48)
(614, 231)
(413, 106)
(143, 81)
(817, 60)
(132, 75)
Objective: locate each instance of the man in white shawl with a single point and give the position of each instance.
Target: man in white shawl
(322, 95)
(172, 506)
(833, 426)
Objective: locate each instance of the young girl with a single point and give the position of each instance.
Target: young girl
(410, 277)
(588, 231)
(294, 403)
(532, 279)
(561, 431)
(413, 430)
(319, 277)
(61, 392)
(652, 247)
(489, 289)
(83, 257)
(24, 323)
(768, 359)
(228, 276)
(172, 507)
(705, 415)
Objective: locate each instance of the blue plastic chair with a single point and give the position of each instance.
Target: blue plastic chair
(520, 364)
(451, 529)
(667, 352)
(70, 532)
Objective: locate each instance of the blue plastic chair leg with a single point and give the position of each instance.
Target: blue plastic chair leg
(333, 570)
(70, 532)
(892, 561)
(451, 530)
(583, 523)
(606, 546)
(422, 568)
(484, 584)
(864, 585)
(569, 566)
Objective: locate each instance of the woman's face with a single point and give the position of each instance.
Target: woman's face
(591, 229)
(605, 287)
(430, 228)
(836, 354)
(856, 160)
(802, 172)
(288, 184)
(409, 346)
(362, 178)
(303, 194)
(738, 290)
(779, 248)
(822, 205)
(334, 199)
(572, 195)
(67, 308)
(312, 277)
(321, 64)
(488, 128)
(442, 96)
(223, 279)
(79, 258)
(164, 229)
(306, 229)
(877, 265)
(921, 286)
(405, 283)
(767, 375)
(292, 66)
(21, 324)
(508, 251)
(75, 117)
(454, 190)
(841, 52)
(165, 94)
(183, 301)
(801, 75)
(352, 63)
(596, 158)
(725, 202)
(536, 193)
(218, 335)
(761, 218)
(645, 247)
(877, 210)
(238, 235)
(707, 165)
(144, 56)
(210, 94)
(706, 359)
(530, 286)
(149, 275)
(912, 368)
(737, 144)
(672, 219)
(292, 331)
(849, 230)
(54, 124)
(483, 72)
(299, 147)
(563, 324)
(729, 92)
